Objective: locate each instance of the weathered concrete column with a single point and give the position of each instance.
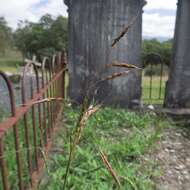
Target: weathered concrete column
(93, 24)
(178, 86)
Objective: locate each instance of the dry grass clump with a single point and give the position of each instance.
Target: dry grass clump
(109, 168)
(87, 110)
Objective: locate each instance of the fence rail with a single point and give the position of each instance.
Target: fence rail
(154, 79)
(27, 132)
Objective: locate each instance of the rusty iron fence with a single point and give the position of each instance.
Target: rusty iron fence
(154, 79)
(25, 136)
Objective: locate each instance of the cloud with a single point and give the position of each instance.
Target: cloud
(162, 12)
(161, 4)
(158, 18)
(30, 10)
(53, 7)
(158, 26)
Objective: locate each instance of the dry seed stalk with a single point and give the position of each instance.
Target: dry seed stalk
(85, 114)
(115, 75)
(109, 168)
(125, 65)
(125, 30)
(91, 110)
(121, 35)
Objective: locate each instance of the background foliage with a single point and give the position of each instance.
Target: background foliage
(43, 38)
(153, 46)
(5, 36)
(50, 35)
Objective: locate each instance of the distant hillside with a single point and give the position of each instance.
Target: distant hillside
(160, 39)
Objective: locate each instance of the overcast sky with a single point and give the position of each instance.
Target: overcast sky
(158, 18)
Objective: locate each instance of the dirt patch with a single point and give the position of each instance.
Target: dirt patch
(173, 158)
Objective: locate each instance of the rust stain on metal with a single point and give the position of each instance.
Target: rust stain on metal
(45, 105)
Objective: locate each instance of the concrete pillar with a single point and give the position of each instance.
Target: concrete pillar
(178, 86)
(93, 24)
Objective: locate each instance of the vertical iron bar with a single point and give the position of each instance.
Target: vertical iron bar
(40, 125)
(34, 129)
(44, 108)
(161, 79)
(3, 167)
(150, 92)
(39, 112)
(48, 103)
(49, 115)
(63, 76)
(16, 137)
(26, 134)
(15, 129)
(28, 146)
(44, 121)
(51, 103)
(63, 86)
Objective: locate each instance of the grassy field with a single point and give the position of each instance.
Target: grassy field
(123, 136)
(156, 98)
(11, 61)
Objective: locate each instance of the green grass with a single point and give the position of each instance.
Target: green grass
(10, 154)
(124, 136)
(11, 61)
(155, 90)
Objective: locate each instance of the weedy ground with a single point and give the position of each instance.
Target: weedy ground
(125, 137)
(11, 61)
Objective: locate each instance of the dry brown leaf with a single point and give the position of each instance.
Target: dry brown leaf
(109, 168)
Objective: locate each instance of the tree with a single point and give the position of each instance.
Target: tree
(5, 35)
(59, 30)
(43, 38)
(152, 47)
(21, 36)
